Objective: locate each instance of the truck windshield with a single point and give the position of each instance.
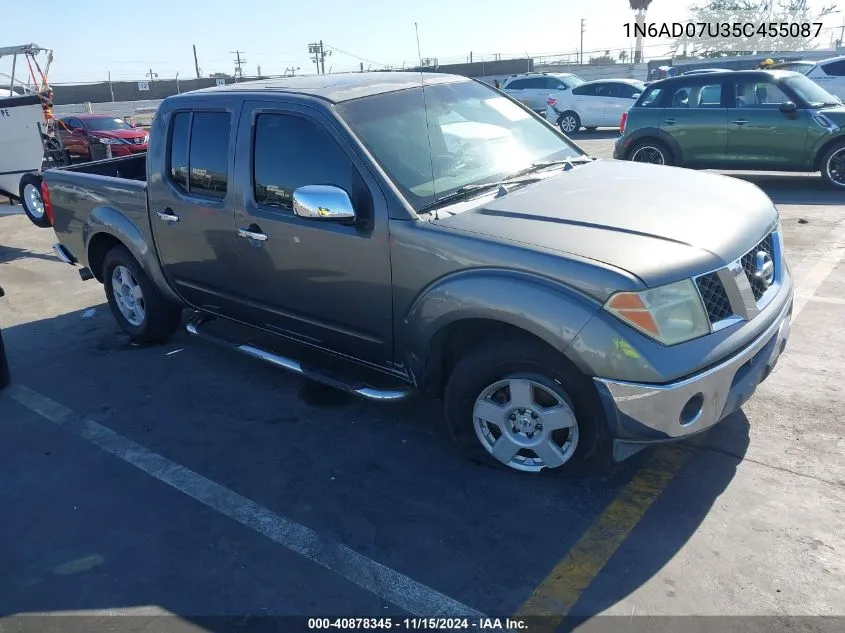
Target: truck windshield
(476, 136)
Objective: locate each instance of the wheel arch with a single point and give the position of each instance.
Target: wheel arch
(107, 227)
(654, 133)
(823, 148)
(468, 308)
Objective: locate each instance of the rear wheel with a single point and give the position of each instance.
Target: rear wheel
(31, 201)
(522, 406)
(650, 151)
(139, 308)
(569, 122)
(833, 166)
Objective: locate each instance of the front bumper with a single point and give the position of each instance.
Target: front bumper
(651, 413)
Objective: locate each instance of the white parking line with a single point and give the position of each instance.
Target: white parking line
(382, 581)
(806, 288)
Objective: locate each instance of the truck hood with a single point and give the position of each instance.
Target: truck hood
(658, 223)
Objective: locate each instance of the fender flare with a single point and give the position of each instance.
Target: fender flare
(549, 310)
(660, 135)
(110, 221)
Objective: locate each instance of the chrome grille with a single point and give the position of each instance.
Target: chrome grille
(747, 262)
(716, 300)
(734, 293)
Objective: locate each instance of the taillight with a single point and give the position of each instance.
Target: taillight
(622, 122)
(45, 198)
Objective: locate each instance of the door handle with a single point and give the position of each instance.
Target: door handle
(167, 215)
(740, 121)
(252, 235)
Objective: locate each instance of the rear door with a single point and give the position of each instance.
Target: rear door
(191, 208)
(323, 283)
(587, 101)
(621, 96)
(759, 134)
(696, 117)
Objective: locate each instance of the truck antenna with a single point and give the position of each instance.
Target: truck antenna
(427, 128)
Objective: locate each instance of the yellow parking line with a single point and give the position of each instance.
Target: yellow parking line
(562, 588)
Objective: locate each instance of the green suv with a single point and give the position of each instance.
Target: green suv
(743, 120)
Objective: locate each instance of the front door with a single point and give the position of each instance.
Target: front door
(323, 283)
(620, 97)
(191, 208)
(760, 136)
(695, 117)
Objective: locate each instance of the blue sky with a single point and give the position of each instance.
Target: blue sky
(94, 37)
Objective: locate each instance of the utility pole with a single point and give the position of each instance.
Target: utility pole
(583, 28)
(196, 63)
(151, 74)
(318, 51)
(259, 70)
(239, 62)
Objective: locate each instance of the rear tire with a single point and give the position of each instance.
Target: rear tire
(833, 166)
(138, 307)
(29, 192)
(569, 122)
(558, 397)
(650, 151)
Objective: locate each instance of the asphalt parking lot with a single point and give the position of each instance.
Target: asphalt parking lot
(183, 479)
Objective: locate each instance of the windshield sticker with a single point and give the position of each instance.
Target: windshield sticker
(507, 108)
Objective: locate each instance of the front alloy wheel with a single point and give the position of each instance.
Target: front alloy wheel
(834, 167)
(525, 425)
(569, 123)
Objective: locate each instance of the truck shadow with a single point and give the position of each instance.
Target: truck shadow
(11, 254)
(384, 480)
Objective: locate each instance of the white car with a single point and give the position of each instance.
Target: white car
(593, 104)
(829, 74)
(532, 89)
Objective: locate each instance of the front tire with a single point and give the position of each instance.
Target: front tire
(569, 122)
(138, 307)
(522, 406)
(833, 166)
(29, 192)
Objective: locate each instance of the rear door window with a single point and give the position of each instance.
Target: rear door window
(199, 153)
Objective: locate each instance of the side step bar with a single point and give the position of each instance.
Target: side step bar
(367, 393)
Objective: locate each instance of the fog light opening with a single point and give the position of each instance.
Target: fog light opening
(692, 410)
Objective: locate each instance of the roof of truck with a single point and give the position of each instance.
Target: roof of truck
(341, 86)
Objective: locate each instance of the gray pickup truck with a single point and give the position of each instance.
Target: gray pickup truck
(394, 233)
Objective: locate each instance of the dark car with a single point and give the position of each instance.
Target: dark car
(738, 120)
(4, 362)
(79, 131)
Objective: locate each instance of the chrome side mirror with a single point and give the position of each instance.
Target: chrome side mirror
(788, 107)
(323, 202)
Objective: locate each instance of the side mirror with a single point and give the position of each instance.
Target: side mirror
(788, 107)
(323, 202)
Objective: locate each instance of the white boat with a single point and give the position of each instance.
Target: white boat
(24, 114)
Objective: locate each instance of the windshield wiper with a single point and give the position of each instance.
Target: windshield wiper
(467, 191)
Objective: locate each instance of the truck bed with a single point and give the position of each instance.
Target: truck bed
(125, 167)
(103, 192)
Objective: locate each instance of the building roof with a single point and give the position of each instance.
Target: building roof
(339, 87)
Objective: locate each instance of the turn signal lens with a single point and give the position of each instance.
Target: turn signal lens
(669, 314)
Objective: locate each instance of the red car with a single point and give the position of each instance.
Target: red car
(79, 131)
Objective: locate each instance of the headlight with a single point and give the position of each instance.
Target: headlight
(669, 314)
(147, 138)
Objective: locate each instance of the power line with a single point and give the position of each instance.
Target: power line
(363, 59)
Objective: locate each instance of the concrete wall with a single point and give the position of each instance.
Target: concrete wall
(126, 90)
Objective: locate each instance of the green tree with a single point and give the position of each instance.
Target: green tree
(769, 14)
